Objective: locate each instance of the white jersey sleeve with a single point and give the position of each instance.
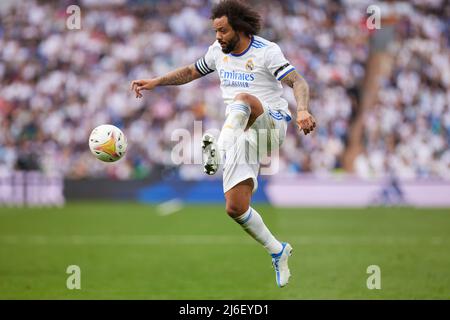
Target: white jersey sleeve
(276, 63)
(206, 64)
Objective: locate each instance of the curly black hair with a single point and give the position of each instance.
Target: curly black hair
(241, 16)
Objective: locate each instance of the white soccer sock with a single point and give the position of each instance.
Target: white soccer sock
(234, 126)
(252, 222)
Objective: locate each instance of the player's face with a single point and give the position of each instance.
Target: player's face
(227, 37)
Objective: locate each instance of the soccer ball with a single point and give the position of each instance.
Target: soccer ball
(107, 143)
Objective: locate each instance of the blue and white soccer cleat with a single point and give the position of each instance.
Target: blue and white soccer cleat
(280, 264)
(210, 154)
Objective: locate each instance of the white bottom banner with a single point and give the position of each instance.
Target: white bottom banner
(307, 191)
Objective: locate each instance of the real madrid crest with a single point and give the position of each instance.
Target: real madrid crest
(250, 65)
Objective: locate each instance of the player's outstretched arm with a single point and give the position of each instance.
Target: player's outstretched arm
(174, 78)
(305, 120)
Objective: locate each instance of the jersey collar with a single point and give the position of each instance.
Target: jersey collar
(245, 51)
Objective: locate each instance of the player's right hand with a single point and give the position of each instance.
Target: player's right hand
(145, 84)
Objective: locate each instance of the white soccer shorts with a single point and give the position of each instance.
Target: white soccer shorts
(265, 135)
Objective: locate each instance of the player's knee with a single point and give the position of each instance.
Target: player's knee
(245, 97)
(253, 102)
(235, 209)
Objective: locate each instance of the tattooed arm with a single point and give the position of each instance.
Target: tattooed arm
(174, 78)
(179, 76)
(305, 120)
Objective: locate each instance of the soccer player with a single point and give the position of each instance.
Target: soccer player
(251, 71)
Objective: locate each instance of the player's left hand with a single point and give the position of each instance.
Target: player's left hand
(305, 121)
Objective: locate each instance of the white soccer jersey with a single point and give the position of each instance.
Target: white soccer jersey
(258, 71)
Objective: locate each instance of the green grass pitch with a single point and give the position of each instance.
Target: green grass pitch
(129, 251)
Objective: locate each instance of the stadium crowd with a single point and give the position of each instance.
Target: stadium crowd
(408, 131)
(57, 84)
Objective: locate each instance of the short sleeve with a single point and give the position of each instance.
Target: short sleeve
(277, 64)
(206, 64)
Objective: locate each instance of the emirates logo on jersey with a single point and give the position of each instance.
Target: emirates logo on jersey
(250, 65)
(235, 78)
